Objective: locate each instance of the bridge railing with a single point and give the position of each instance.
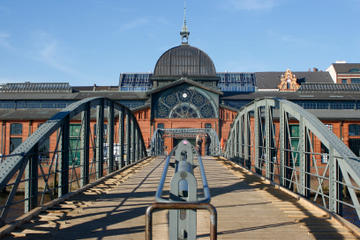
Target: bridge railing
(291, 147)
(158, 138)
(183, 200)
(68, 152)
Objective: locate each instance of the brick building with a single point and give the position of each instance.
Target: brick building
(185, 91)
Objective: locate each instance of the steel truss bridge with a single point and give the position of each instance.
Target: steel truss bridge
(273, 138)
(23, 170)
(266, 146)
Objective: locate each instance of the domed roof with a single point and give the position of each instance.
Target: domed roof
(184, 60)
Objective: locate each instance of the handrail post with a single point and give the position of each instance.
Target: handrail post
(181, 206)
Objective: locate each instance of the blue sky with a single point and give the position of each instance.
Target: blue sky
(92, 41)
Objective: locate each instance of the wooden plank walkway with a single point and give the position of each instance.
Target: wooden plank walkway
(247, 209)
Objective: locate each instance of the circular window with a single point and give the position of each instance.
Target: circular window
(207, 111)
(185, 95)
(171, 100)
(198, 99)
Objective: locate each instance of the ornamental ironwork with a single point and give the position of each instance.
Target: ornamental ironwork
(184, 102)
(184, 111)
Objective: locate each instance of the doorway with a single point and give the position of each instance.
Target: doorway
(177, 140)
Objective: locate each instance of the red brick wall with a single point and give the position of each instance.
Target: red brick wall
(143, 119)
(221, 125)
(226, 118)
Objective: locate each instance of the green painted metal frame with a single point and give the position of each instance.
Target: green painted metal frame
(25, 158)
(343, 167)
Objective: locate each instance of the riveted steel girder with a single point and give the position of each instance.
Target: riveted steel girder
(121, 138)
(64, 158)
(31, 183)
(99, 139)
(84, 145)
(27, 151)
(340, 156)
(128, 144)
(132, 145)
(137, 147)
(268, 155)
(110, 136)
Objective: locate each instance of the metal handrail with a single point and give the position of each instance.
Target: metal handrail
(57, 179)
(266, 148)
(182, 205)
(182, 224)
(160, 199)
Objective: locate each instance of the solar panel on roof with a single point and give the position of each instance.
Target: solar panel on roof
(236, 82)
(138, 82)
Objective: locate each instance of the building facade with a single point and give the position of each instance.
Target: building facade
(185, 91)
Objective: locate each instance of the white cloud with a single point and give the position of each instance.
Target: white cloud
(134, 24)
(50, 53)
(251, 5)
(4, 40)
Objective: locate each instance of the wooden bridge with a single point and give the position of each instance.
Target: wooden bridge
(248, 208)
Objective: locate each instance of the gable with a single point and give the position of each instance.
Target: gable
(182, 81)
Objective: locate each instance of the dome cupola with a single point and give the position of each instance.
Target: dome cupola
(184, 60)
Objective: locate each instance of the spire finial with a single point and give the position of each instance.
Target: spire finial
(184, 31)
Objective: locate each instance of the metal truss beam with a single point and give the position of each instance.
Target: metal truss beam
(293, 166)
(27, 154)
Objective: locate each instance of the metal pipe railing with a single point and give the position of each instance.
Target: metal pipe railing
(159, 192)
(183, 196)
(178, 206)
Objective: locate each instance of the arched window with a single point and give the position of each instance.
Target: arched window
(184, 102)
